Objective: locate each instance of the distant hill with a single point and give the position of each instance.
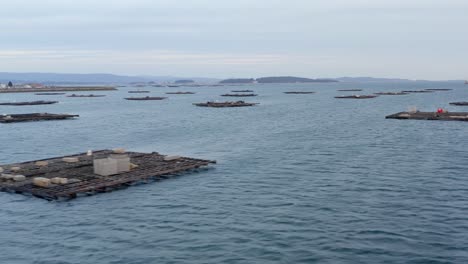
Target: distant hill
(290, 79)
(251, 80)
(95, 78)
(184, 81)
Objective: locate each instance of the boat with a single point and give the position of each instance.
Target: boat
(146, 98)
(31, 103)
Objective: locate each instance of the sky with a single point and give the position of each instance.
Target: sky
(415, 39)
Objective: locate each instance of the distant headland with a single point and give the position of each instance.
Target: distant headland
(276, 79)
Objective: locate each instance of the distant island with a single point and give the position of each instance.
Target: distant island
(184, 81)
(276, 79)
(235, 81)
(290, 79)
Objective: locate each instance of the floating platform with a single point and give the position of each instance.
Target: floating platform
(417, 91)
(350, 90)
(438, 89)
(391, 93)
(138, 91)
(81, 179)
(49, 93)
(58, 89)
(239, 95)
(30, 103)
(242, 91)
(299, 92)
(180, 93)
(146, 98)
(225, 104)
(448, 116)
(86, 95)
(356, 96)
(460, 103)
(14, 118)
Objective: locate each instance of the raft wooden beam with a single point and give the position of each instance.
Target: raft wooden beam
(447, 116)
(82, 180)
(13, 118)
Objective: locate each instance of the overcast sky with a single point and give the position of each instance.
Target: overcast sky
(416, 39)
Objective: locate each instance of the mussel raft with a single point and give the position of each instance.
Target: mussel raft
(71, 176)
(14, 118)
(356, 97)
(30, 103)
(460, 103)
(242, 91)
(138, 91)
(86, 95)
(180, 93)
(299, 92)
(391, 93)
(239, 95)
(225, 104)
(446, 116)
(146, 98)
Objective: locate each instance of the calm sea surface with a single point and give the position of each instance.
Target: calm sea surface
(299, 179)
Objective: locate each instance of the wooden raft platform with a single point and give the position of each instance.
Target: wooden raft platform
(86, 95)
(460, 103)
(146, 98)
(49, 93)
(448, 116)
(242, 91)
(225, 104)
(14, 118)
(240, 95)
(349, 90)
(299, 92)
(356, 96)
(30, 103)
(138, 91)
(391, 93)
(83, 181)
(180, 93)
(58, 89)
